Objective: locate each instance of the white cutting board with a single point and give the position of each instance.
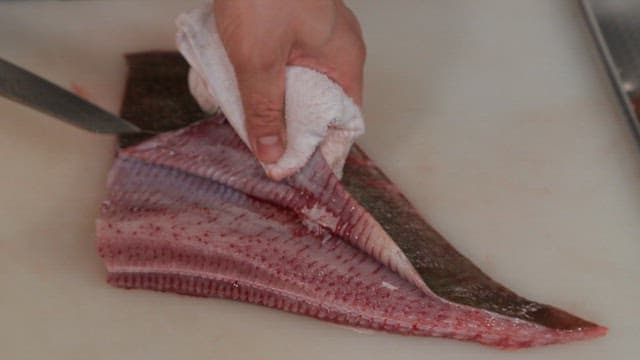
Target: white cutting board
(495, 118)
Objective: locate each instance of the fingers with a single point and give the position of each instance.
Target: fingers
(341, 57)
(262, 91)
(349, 73)
(255, 36)
(351, 53)
(262, 37)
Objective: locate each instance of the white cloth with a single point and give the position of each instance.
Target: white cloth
(317, 110)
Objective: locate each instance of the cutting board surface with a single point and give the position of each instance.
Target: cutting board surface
(494, 117)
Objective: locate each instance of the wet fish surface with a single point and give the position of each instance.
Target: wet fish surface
(191, 211)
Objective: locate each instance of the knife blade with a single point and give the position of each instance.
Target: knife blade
(40, 94)
(616, 30)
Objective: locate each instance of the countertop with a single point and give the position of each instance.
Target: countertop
(495, 117)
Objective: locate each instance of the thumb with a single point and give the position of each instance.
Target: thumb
(262, 90)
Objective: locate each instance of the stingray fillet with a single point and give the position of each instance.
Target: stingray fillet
(191, 211)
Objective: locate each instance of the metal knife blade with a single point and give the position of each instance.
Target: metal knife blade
(31, 90)
(616, 29)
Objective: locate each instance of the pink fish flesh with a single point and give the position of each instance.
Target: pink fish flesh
(191, 211)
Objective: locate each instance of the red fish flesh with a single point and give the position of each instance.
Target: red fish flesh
(191, 211)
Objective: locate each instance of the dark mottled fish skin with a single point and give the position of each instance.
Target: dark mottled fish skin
(448, 274)
(157, 96)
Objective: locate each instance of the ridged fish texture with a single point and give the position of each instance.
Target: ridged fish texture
(192, 212)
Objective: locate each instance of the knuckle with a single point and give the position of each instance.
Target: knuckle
(263, 114)
(360, 50)
(250, 53)
(252, 62)
(359, 47)
(247, 57)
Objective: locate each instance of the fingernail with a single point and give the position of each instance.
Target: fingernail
(269, 148)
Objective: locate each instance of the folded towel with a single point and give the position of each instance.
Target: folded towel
(317, 110)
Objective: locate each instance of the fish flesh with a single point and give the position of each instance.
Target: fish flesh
(191, 211)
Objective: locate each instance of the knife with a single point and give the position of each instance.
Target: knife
(614, 25)
(40, 94)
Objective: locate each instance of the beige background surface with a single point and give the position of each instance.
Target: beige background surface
(495, 117)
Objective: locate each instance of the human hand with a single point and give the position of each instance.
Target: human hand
(261, 37)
